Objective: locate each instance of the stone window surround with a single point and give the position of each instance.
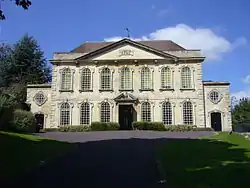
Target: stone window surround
(219, 93)
(111, 79)
(71, 104)
(92, 70)
(45, 98)
(152, 77)
(192, 69)
(111, 104)
(91, 106)
(152, 105)
(171, 77)
(131, 78)
(173, 105)
(194, 110)
(72, 79)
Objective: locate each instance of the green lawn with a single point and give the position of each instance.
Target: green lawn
(22, 152)
(220, 161)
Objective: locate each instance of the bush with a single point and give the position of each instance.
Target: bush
(100, 126)
(156, 126)
(51, 129)
(23, 121)
(74, 128)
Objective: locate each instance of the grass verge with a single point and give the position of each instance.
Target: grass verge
(218, 161)
(22, 152)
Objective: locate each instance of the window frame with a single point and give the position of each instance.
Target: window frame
(81, 80)
(70, 113)
(151, 78)
(111, 79)
(193, 112)
(130, 88)
(192, 87)
(172, 112)
(110, 111)
(72, 71)
(171, 71)
(150, 108)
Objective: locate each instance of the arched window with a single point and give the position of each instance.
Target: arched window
(146, 111)
(86, 79)
(66, 81)
(105, 112)
(167, 113)
(65, 114)
(186, 78)
(146, 81)
(166, 78)
(125, 79)
(187, 113)
(105, 79)
(85, 114)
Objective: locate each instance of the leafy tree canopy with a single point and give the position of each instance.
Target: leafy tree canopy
(22, 64)
(21, 3)
(241, 112)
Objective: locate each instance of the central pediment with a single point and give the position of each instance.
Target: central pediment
(126, 49)
(125, 97)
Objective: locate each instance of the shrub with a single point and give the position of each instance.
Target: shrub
(101, 126)
(23, 121)
(156, 126)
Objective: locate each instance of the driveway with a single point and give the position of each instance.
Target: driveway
(123, 159)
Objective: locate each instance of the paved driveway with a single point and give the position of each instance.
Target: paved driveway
(118, 159)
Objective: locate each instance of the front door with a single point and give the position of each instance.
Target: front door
(39, 122)
(126, 116)
(216, 121)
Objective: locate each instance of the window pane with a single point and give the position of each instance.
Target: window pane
(166, 78)
(146, 78)
(106, 79)
(66, 79)
(187, 113)
(125, 79)
(146, 112)
(86, 79)
(105, 112)
(85, 114)
(186, 77)
(65, 114)
(167, 113)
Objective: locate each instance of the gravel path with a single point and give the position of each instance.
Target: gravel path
(123, 159)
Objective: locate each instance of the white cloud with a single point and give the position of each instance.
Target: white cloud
(245, 92)
(213, 46)
(241, 94)
(246, 80)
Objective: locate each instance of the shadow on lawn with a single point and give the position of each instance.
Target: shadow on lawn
(129, 163)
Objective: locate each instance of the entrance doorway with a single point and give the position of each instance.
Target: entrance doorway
(39, 122)
(126, 116)
(216, 121)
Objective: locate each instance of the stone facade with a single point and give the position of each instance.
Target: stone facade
(135, 57)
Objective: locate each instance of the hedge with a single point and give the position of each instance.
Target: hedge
(141, 125)
(100, 126)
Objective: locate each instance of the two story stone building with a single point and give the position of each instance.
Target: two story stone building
(128, 81)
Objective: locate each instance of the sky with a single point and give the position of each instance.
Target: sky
(220, 28)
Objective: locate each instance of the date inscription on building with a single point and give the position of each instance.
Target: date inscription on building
(125, 52)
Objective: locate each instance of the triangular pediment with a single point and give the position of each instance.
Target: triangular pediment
(126, 49)
(125, 97)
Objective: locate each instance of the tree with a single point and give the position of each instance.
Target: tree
(25, 4)
(5, 54)
(25, 65)
(241, 113)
